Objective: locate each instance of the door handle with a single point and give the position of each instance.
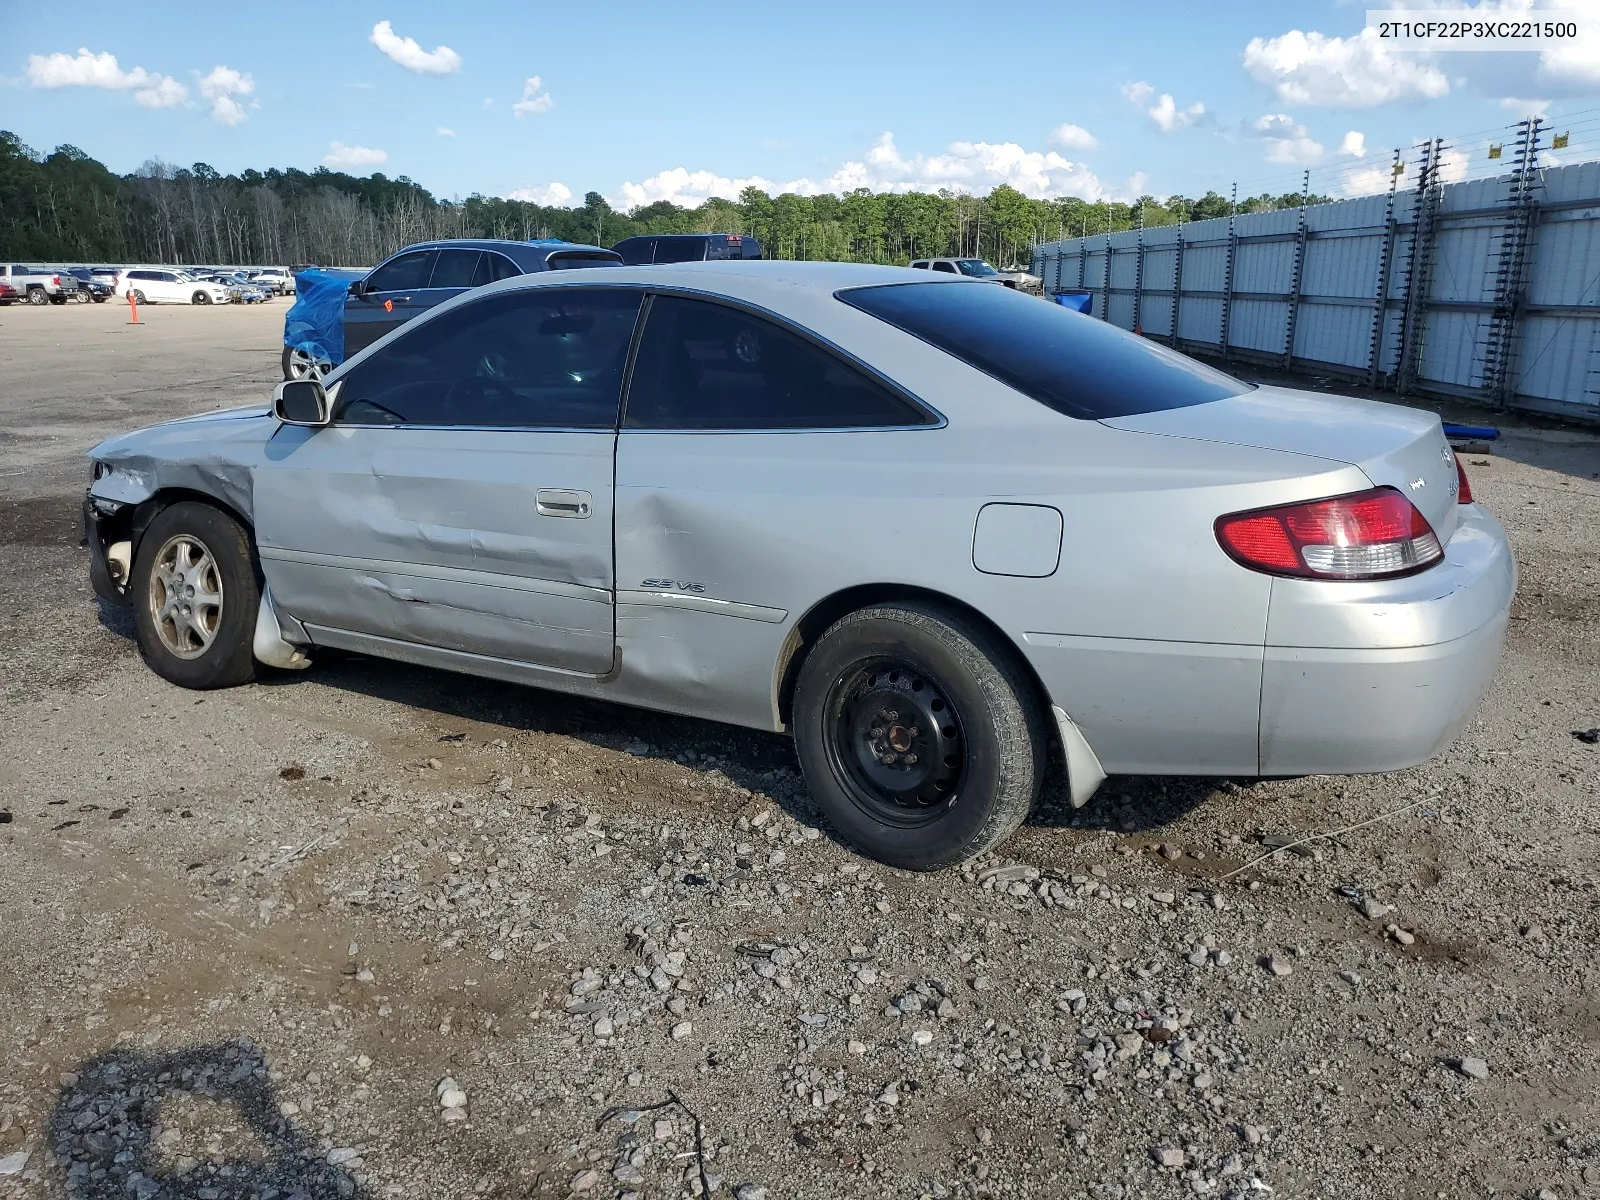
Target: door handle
(559, 502)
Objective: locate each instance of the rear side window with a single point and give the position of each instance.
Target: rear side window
(708, 366)
(680, 249)
(1072, 363)
(455, 268)
(542, 358)
(945, 267)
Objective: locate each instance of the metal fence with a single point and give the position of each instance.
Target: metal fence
(1486, 290)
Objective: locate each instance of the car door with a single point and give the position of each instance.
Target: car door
(461, 497)
(167, 288)
(386, 299)
(745, 448)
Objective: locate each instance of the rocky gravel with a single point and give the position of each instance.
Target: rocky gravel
(372, 931)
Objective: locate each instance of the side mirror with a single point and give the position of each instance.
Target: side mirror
(301, 402)
(358, 288)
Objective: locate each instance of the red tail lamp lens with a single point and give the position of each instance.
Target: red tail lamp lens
(1368, 535)
(1463, 485)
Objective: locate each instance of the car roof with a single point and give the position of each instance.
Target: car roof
(738, 277)
(522, 253)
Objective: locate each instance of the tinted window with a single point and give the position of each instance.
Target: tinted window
(636, 251)
(945, 267)
(454, 268)
(680, 249)
(407, 271)
(707, 366)
(571, 260)
(544, 358)
(919, 266)
(501, 267)
(1075, 364)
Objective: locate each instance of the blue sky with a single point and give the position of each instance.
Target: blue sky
(643, 102)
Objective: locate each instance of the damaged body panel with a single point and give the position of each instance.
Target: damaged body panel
(690, 560)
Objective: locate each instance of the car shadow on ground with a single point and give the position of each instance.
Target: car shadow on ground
(129, 1124)
(748, 757)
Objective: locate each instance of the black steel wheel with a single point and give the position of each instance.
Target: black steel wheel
(894, 736)
(920, 734)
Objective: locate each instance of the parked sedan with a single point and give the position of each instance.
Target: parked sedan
(938, 532)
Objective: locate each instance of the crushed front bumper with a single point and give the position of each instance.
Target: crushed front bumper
(102, 574)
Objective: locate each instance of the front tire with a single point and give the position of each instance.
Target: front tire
(195, 595)
(200, 298)
(299, 364)
(920, 735)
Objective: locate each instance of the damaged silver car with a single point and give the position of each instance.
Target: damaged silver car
(940, 532)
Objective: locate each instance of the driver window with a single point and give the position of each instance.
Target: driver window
(542, 358)
(946, 268)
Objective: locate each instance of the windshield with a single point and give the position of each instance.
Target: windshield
(975, 267)
(1078, 365)
(185, 277)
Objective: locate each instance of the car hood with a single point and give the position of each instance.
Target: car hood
(1403, 448)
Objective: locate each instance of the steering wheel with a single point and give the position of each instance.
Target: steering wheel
(359, 412)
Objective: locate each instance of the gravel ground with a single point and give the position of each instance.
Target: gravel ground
(378, 931)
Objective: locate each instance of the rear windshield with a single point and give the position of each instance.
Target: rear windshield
(567, 260)
(1075, 364)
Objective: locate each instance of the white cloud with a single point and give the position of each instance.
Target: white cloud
(1366, 181)
(1165, 111)
(1354, 144)
(340, 155)
(221, 88)
(1074, 137)
(441, 60)
(965, 166)
(1288, 142)
(445, 131)
(87, 69)
(533, 100)
(1330, 72)
(552, 195)
(1525, 108)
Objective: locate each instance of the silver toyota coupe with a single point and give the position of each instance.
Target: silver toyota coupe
(938, 531)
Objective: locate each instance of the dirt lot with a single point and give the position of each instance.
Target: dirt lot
(249, 936)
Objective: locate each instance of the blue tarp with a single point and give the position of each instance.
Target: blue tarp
(1077, 301)
(315, 321)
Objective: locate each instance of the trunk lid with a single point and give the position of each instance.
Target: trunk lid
(1403, 448)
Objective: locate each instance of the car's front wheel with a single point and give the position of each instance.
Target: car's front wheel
(200, 298)
(195, 597)
(301, 364)
(919, 734)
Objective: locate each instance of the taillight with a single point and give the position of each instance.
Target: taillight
(1368, 535)
(1463, 487)
(55, 281)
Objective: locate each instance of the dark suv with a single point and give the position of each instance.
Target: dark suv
(422, 276)
(650, 248)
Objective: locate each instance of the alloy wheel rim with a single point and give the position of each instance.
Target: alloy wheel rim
(185, 596)
(896, 742)
(307, 366)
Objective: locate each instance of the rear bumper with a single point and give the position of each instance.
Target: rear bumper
(1379, 676)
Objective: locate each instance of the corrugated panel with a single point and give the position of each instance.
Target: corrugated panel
(1258, 325)
(1558, 355)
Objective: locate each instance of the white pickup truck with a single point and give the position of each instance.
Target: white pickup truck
(38, 285)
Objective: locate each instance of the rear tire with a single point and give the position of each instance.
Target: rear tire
(920, 735)
(37, 296)
(138, 297)
(195, 596)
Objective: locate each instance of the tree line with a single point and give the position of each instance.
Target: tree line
(66, 206)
